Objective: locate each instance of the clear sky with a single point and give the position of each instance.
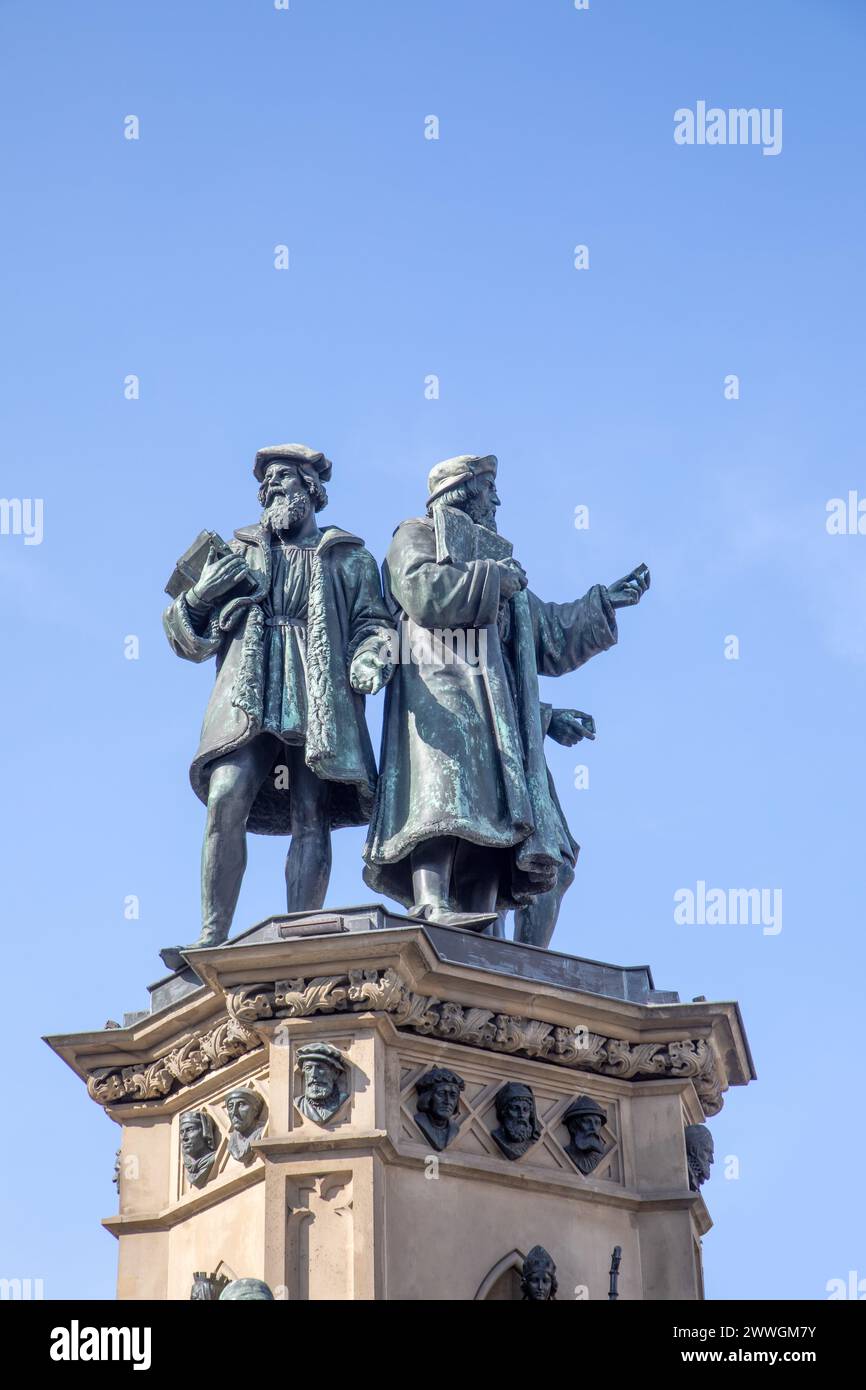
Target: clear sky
(603, 387)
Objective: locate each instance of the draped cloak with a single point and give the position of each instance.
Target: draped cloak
(462, 741)
(291, 684)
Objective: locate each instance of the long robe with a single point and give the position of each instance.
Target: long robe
(345, 613)
(462, 742)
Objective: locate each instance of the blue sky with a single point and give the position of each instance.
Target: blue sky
(603, 387)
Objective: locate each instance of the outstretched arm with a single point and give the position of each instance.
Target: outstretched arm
(568, 634)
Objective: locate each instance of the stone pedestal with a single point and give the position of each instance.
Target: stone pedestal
(360, 1204)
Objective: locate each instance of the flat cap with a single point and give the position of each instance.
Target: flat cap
(292, 453)
(321, 1052)
(584, 1105)
(451, 472)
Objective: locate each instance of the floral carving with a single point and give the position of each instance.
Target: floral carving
(200, 1053)
(384, 991)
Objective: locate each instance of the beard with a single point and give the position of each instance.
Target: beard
(284, 515)
(519, 1131)
(589, 1143)
(318, 1091)
(481, 513)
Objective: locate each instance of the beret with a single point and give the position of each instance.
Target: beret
(584, 1105)
(450, 472)
(292, 453)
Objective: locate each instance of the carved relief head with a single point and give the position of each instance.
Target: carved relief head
(584, 1119)
(538, 1282)
(518, 1121)
(438, 1093)
(244, 1108)
(198, 1145)
(700, 1154)
(325, 1081)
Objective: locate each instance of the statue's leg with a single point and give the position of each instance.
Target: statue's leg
(308, 862)
(234, 784)
(477, 872)
(534, 924)
(432, 869)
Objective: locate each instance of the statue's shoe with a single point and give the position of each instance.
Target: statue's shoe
(444, 917)
(172, 956)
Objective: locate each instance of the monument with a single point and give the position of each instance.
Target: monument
(356, 1103)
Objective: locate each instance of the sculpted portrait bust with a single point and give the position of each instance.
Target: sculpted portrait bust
(584, 1119)
(198, 1145)
(324, 1070)
(700, 1155)
(438, 1093)
(538, 1283)
(244, 1109)
(518, 1127)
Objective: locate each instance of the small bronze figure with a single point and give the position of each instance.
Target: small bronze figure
(538, 1283)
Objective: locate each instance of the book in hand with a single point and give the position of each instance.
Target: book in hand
(191, 563)
(459, 539)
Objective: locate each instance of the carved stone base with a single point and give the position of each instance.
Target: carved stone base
(552, 1108)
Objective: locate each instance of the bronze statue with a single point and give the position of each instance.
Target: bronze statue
(538, 1282)
(467, 820)
(294, 615)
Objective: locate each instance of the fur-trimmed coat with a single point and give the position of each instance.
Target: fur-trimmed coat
(345, 612)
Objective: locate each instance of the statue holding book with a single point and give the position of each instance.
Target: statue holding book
(294, 615)
(466, 820)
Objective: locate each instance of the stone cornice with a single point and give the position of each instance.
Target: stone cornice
(577, 1047)
(201, 1052)
(250, 988)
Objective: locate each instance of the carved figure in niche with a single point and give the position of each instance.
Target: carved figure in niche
(518, 1127)
(538, 1282)
(584, 1119)
(325, 1073)
(438, 1101)
(198, 1146)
